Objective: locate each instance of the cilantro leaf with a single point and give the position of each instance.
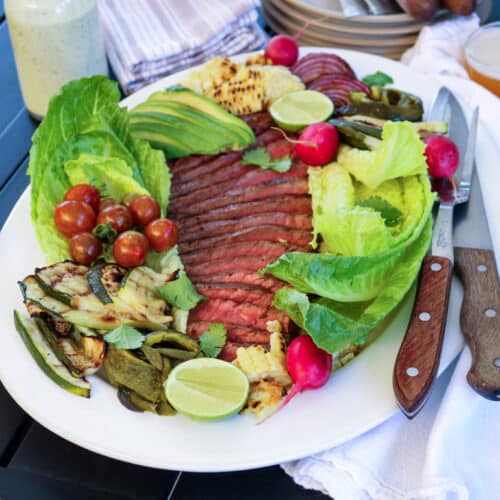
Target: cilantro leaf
(379, 78)
(261, 158)
(180, 292)
(391, 215)
(212, 341)
(125, 337)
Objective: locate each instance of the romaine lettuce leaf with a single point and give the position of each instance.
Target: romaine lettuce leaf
(352, 230)
(111, 176)
(85, 119)
(400, 154)
(153, 169)
(334, 325)
(331, 188)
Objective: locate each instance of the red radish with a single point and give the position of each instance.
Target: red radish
(282, 50)
(318, 144)
(442, 156)
(309, 366)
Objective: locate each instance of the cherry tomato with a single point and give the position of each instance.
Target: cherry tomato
(282, 50)
(84, 248)
(144, 209)
(74, 217)
(162, 234)
(130, 249)
(318, 144)
(105, 203)
(86, 193)
(119, 217)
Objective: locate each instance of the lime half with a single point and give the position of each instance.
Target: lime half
(296, 110)
(207, 389)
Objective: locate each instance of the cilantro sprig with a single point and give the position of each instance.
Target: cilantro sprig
(378, 78)
(212, 341)
(262, 158)
(391, 215)
(125, 337)
(180, 292)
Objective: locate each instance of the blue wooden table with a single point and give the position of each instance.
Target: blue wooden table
(36, 464)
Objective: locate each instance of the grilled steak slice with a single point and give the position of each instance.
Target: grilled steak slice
(235, 333)
(231, 226)
(205, 173)
(240, 278)
(243, 314)
(298, 237)
(242, 249)
(274, 188)
(286, 204)
(237, 293)
(229, 265)
(259, 121)
(251, 177)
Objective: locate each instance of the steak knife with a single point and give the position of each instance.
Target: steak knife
(418, 358)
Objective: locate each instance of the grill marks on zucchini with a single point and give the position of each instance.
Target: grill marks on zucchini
(72, 306)
(45, 358)
(65, 289)
(105, 280)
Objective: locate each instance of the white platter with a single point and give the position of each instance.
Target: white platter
(357, 398)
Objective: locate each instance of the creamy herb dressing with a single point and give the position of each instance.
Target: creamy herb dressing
(54, 41)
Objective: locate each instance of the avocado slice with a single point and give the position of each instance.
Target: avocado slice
(182, 122)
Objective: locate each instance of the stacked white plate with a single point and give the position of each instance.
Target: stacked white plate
(388, 35)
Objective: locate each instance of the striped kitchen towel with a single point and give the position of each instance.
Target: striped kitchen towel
(149, 39)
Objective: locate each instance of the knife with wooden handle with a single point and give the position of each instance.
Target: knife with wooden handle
(417, 362)
(480, 318)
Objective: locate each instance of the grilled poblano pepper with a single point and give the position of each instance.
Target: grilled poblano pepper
(388, 104)
(365, 132)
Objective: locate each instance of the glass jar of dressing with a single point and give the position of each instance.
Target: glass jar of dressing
(54, 41)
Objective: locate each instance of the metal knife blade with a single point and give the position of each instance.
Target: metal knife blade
(418, 358)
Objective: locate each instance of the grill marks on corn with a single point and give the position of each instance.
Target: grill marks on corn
(234, 219)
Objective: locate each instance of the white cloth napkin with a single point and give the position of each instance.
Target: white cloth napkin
(150, 39)
(451, 450)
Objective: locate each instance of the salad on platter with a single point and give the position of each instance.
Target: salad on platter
(233, 239)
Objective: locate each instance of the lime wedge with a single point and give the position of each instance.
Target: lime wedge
(296, 110)
(207, 389)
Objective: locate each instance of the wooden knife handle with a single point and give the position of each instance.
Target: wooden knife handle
(418, 358)
(480, 318)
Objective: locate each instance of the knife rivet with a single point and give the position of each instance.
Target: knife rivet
(496, 362)
(412, 371)
(490, 313)
(436, 266)
(482, 268)
(424, 316)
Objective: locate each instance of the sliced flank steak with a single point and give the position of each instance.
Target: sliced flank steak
(233, 220)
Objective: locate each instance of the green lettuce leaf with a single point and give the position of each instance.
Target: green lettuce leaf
(154, 171)
(111, 176)
(344, 279)
(331, 188)
(350, 229)
(334, 325)
(85, 119)
(400, 153)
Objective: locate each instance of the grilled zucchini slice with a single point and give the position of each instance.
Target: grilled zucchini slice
(46, 359)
